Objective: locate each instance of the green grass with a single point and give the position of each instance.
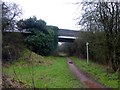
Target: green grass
(48, 72)
(98, 72)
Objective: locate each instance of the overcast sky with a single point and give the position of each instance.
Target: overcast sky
(59, 13)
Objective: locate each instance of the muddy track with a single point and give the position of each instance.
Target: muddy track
(85, 80)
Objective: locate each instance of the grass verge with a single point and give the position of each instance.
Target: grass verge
(109, 80)
(42, 72)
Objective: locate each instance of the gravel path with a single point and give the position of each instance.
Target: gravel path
(86, 81)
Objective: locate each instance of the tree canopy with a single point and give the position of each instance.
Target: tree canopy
(43, 39)
(31, 23)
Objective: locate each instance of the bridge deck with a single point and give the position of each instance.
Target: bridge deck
(70, 34)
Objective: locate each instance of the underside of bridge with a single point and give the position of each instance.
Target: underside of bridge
(66, 39)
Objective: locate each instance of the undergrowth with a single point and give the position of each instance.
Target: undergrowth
(98, 72)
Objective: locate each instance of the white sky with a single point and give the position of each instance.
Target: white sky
(59, 13)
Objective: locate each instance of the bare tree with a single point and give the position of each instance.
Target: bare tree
(10, 14)
(105, 16)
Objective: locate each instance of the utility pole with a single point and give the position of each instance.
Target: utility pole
(87, 52)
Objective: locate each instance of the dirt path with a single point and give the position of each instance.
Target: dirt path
(86, 81)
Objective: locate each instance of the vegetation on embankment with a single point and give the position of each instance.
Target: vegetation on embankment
(41, 38)
(98, 72)
(41, 72)
(12, 46)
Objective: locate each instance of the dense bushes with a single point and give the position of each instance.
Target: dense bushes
(97, 49)
(41, 43)
(43, 39)
(12, 45)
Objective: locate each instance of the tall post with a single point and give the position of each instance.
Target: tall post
(87, 52)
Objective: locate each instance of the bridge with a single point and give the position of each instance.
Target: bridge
(64, 35)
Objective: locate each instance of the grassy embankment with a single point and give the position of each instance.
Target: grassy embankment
(98, 72)
(44, 72)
